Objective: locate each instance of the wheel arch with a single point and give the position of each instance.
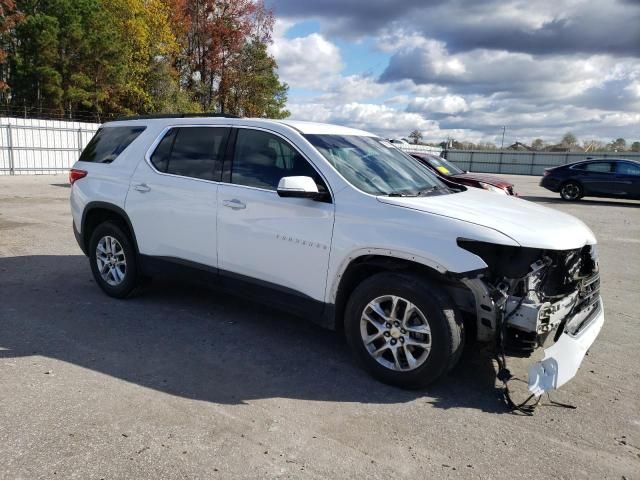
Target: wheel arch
(96, 213)
(575, 180)
(373, 261)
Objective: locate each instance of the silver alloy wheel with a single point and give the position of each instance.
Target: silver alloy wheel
(395, 333)
(570, 191)
(112, 263)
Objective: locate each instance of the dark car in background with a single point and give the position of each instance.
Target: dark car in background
(601, 177)
(452, 173)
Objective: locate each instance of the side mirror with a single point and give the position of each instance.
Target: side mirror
(298, 187)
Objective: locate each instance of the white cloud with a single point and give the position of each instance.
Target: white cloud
(380, 119)
(450, 104)
(305, 62)
(491, 71)
(341, 89)
(447, 88)
(539, 27)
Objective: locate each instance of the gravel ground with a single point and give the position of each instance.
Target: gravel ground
(183, 382)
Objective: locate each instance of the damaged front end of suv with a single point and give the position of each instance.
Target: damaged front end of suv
(529, 298)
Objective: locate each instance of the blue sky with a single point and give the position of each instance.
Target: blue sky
(464, 68)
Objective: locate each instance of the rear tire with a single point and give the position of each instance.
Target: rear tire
(403, 329)
(571, 191)
(113, 260)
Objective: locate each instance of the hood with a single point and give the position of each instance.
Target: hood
(529, 224)
(481, 177)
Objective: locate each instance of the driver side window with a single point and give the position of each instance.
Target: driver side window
(261, 159)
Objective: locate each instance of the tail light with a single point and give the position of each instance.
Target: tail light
(75, 174)
(546, 172)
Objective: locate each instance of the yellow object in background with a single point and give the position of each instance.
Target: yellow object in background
(442, 169)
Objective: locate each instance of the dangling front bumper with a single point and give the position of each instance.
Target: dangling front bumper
(562, 359)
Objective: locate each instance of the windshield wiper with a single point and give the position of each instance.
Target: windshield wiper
(396, 194)
(428, 191)
(420, 193)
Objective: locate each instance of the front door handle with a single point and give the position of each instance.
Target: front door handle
(142, 188)
(234, 204)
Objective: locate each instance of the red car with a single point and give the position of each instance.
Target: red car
(449, 171)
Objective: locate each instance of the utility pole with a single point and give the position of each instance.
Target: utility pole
(503, 130)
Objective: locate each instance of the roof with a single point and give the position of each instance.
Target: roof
(520, 146)
(562, 148)
(609, 159)
(601, 159)
(324, 128)
(300, 126)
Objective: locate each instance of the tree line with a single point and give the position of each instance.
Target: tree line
(568, 142)
(119, 57)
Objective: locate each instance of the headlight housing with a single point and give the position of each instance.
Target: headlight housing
(492, 188)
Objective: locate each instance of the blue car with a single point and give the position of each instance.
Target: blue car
(604, 177)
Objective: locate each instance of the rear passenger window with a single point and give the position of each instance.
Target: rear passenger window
(262, 159)
(598, 167)
(195, 152)
(108, 143)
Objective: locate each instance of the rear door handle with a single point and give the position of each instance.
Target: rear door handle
(234, 204)
(142, 188)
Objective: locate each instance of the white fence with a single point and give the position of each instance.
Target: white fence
(418, 148)
(523, 163)
(29, 146)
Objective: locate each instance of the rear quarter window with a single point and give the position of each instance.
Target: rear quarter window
(108, 143)
(195, 152)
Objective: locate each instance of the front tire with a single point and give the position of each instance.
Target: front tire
(403, 329)
(113, 260)
(571, 191)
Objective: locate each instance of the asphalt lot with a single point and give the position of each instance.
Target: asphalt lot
(182, 382)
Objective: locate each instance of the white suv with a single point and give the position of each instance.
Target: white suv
(339, 226)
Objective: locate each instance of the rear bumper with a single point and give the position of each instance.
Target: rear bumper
(550, 183)
(79, 239)
(562, 360)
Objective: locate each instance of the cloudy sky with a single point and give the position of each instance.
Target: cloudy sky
(464, 68)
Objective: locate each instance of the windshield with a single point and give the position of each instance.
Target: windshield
(444, 166)
(375, 166)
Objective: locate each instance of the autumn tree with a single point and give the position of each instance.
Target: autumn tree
(226, 39)
(114, 57)
(167, 96)
(97, 55)
(9, 17)
(147, 46)
(256, 89)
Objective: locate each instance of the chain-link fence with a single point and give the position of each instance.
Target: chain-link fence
(29, 146)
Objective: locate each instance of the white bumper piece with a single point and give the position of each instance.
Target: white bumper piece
(562, 360)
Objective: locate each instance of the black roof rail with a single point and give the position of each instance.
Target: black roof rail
(176, 115)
